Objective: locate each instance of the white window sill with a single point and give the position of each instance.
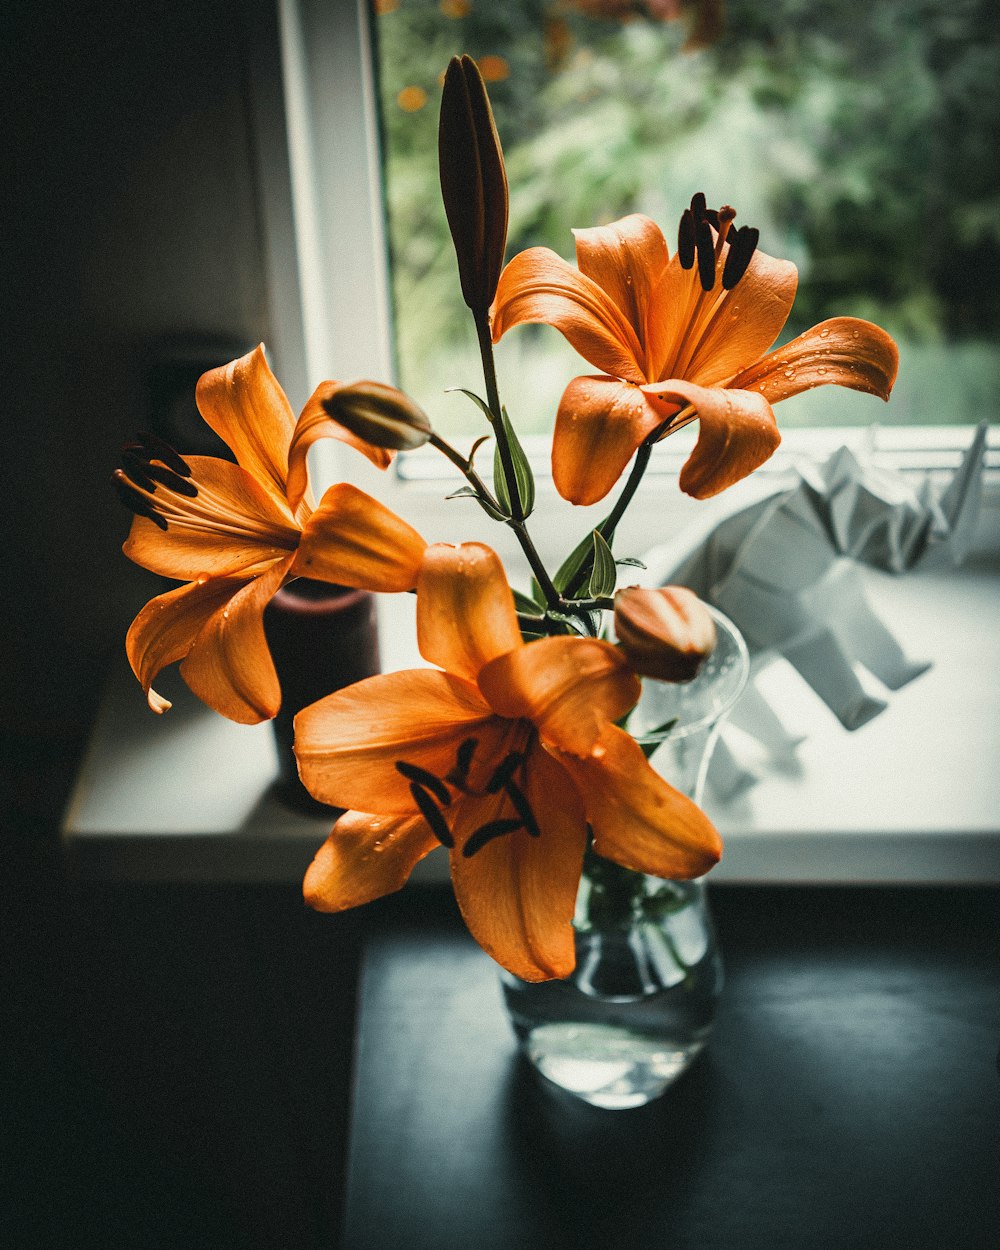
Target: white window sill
(911, 797)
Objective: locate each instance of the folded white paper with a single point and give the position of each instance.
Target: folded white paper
(784, 569)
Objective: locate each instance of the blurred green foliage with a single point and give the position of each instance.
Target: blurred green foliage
(859, 137)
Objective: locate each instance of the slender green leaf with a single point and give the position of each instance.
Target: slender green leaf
(603, 573)
(573, 563)
(631, 561)
(525, 604)
(523, 476)
(467, 492)
(480, 403)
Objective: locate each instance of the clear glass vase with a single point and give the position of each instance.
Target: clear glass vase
(640, 1004)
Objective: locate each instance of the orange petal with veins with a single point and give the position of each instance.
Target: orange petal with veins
(164, 630)
(538, 285)
(244, 404)
(517, 894)
(313, 424)
(844, 351)
(737, 433)
(638, 819)
(229, 666)
(353, 540)
(232, 527)
(599, 425)
(626, 259)
(364, 858)
(569, 687)
(465, 610)
(349, 743)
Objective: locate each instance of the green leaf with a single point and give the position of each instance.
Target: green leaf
(485, 438)
(653, 739)
(525, 604)
(603, 574)
(631, 561)
(572, 565)
(467, 492)
(523, 476)
(480, 403)
(564, 618)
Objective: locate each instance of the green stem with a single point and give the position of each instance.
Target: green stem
(610, 523)
(464, 466)
(537, 567)
(493, 401)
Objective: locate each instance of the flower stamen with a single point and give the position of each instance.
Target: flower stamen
(486, 833)
(432, 814)
(427, 780)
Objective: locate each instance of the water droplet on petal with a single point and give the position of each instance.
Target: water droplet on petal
(823, 333)
(789, 372)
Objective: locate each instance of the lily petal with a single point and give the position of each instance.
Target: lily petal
(365, 857)
(844, 350)
(599, 425)
(349, 743)
(244, 404)
(569, 687)
(164, 630)
(517, 894)
(538, 285)
(229, 666)
(353, 540)
(626, 259)
(313, 424)
(737, 433)
(232, 527)
(748, 321)
(638, 819)
(465, 610)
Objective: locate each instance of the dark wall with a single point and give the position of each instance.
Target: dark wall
(133, 217)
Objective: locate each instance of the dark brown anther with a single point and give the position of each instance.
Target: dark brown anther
(706, 255)
(712, 217)
(742, 245)
(522, 807)
(135, 470)
(504, 771)
(685, 240)
(167, 477)
(134, 500)
(421, 777)
(156, 449)
(486, 833)
(698, 206)
(459, 775)
(432, 814)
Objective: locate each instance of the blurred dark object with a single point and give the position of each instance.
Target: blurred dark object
(175, 365)
(322, 637)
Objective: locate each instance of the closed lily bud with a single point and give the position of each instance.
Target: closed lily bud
(473, 182)
(665, 633)
(379, 414)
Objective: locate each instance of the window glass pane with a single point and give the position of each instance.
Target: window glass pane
(859, 138)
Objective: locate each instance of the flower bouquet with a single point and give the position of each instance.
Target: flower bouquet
(511, 749)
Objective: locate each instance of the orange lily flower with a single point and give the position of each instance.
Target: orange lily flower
(505, 755)
(235, 533)
(677, 338)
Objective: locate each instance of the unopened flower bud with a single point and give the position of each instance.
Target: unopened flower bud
(473, 182)
(379, 414)
(665, 633)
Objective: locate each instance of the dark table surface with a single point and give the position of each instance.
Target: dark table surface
(849, 1096)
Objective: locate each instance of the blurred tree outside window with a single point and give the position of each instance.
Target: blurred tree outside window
(860, 138)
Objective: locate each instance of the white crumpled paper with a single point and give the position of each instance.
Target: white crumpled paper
(785, 570)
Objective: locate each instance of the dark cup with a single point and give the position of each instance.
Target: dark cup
(322, 637)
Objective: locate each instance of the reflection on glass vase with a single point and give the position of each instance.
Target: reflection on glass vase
(640, 1003)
